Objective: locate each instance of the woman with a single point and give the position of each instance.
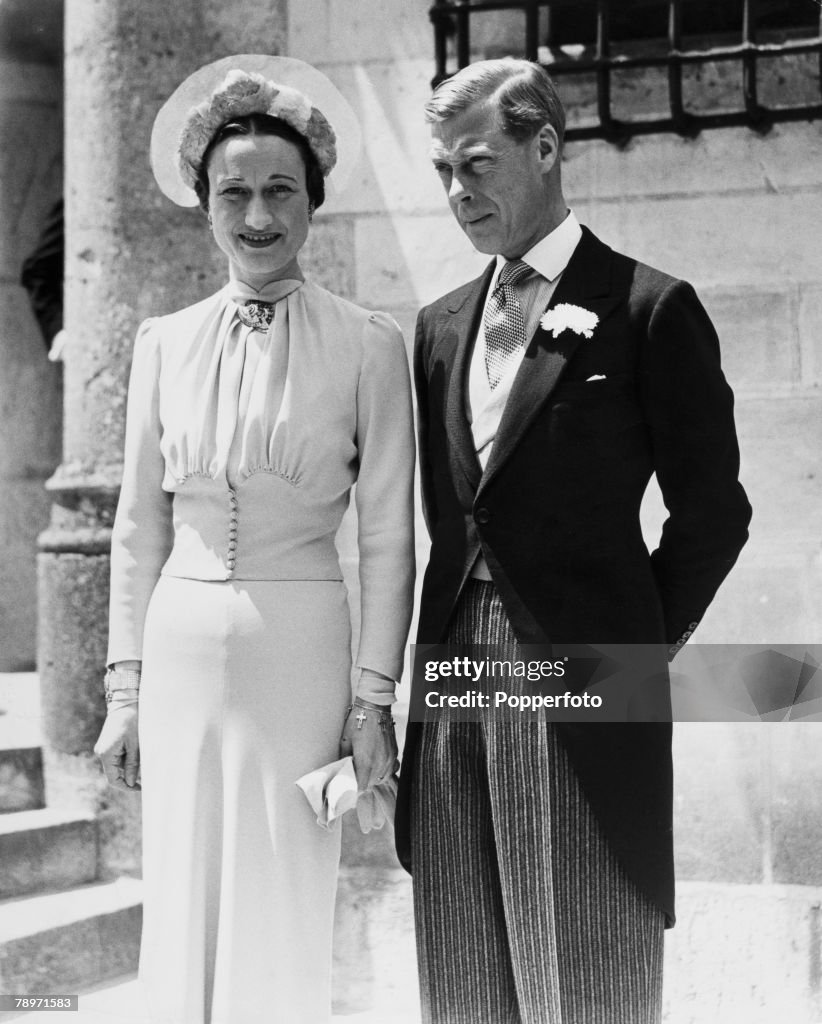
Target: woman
(250, 416)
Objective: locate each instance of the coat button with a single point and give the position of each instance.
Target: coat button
(482, 516)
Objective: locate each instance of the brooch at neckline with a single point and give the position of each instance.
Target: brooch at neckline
(256, 315)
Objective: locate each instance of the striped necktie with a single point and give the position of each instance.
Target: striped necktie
(504, 325)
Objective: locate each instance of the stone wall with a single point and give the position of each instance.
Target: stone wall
(737, 214)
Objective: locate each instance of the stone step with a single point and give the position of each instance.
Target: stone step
(21, 779)
(58, 942)
(46, 850)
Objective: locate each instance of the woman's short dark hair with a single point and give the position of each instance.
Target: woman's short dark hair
(263, 124)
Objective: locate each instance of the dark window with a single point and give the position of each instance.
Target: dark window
(632, 67)
(574, 22)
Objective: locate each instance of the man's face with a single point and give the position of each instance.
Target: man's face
(498, 189)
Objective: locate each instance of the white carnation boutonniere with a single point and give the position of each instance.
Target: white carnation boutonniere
(567, 317)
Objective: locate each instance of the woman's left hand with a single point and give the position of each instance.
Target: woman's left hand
(368, 736)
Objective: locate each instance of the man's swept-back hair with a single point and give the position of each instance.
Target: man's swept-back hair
(522, 93)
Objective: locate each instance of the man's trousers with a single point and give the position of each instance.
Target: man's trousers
(523, 914)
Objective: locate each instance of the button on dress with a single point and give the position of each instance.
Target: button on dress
(242, 448)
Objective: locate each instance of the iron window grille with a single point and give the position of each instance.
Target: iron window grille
(796, 24)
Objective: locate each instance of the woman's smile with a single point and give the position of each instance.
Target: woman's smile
(260, 240)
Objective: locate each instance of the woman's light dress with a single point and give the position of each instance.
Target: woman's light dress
(241, 450)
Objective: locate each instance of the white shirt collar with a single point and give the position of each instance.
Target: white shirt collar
(550, 256)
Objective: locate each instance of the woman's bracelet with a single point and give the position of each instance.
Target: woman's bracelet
(384, 718)
(121, 681)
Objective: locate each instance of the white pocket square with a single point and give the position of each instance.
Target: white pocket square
(596, 376)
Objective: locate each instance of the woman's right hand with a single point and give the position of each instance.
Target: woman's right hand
(118, 747)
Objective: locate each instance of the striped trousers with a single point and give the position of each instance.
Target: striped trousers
(522, 913)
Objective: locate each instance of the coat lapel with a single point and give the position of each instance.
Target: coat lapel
(585, 282)
(464, 311)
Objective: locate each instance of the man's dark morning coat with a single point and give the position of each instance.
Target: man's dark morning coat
(556, 512)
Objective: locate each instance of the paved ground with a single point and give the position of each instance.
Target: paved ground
(120, 1002)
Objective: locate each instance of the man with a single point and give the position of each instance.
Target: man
(542, 854)
(42, 276)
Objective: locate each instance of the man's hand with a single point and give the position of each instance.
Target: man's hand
(368, 735)
(118, 748)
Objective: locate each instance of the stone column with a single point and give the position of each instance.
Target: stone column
(31, 134)
(129, 254)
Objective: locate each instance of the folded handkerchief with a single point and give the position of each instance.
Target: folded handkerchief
(332, 790)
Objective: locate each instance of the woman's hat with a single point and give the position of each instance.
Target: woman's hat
(251, 83)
